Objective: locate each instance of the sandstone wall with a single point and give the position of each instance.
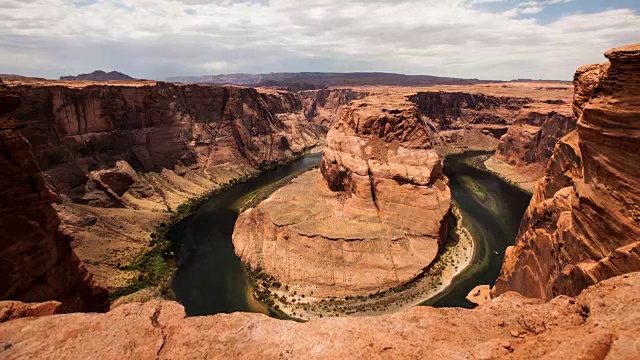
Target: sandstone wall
(36, 259)
(532, 137)
(160, 126)
(583, 224)
(323, 106)
(451, 110)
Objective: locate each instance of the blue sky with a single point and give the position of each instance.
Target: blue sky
(551, 12)
(488, 39)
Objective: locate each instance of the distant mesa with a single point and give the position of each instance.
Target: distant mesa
(14, 77)
(99, 75)
(319, 80)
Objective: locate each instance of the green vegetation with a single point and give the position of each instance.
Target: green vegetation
(156, 266)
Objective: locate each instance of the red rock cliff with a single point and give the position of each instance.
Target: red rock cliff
(158, 125)
(36, 259)
(583, 224)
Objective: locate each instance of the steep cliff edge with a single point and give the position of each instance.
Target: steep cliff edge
(36, 259)
(323, 106)
(583, 224)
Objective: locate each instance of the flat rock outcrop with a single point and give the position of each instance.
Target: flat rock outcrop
(601, 323)
(36, 259)
(371, 219)
(583, 224)
(11, 310)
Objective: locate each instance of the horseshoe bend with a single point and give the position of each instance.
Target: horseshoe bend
(321, 215)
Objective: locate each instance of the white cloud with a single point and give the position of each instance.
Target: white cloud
(531, 10)
(161, 38)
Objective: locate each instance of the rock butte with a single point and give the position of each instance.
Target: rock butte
(579, 235)
(372, 218)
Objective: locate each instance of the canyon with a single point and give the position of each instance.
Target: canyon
(127, 156)
(375, 217)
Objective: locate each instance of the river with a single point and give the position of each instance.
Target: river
(210, 278)
(491, 210)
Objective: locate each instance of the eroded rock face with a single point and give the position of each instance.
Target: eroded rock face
(601, 323)
(158, 126)
(583, 224)
(451, 110)
(371, 219)
(323, 106)
(36, 259)
(381, 156)
(11, 310)
(522, 122)
(532, 137)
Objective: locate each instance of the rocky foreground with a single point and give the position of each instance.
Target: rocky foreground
(601, 323)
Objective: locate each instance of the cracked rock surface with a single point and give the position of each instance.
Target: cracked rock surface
(601, 323)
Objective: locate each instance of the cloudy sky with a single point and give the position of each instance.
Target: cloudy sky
(155, 39)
